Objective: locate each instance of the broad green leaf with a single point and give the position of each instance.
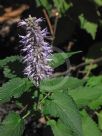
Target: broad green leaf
(90, 27)
(12, 125)
(84, 95)
(59, 129)
(63, 106)
(96, 104)
(100, 120)
(7, 60)
(94, 81)
(60, 83)
(14, 87)
(89, 126)
(59, 58)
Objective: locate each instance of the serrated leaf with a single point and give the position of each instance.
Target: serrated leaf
(59, 58)
(60, 83)
(63, 106)
(4, 62)
(84, 95)
(89, 126)
(14, 87)
(12, 125)
(90, 27)
(59, 129)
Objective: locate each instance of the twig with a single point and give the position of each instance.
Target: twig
(24, 108)
(74, 68)
(48, 21)
(88, 71)
(9, 14)
(45, 98)
(87, 63)
(55, 25)
(26, 115)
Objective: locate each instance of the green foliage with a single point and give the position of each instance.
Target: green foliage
(12, 125)
(62, 5)
(7, 60)
(56, 100)
(60, 83)
(59, 58)
(84, 95)
(8, 73)
(94, 81)
(10, 66)
(62, 100)
(98, 2)
(89, 126)
(59, 129)
(14, 88)
(45, 3)
(96, 104)
(61, 105)
(99, 115)
(90, 27)
(89, 21)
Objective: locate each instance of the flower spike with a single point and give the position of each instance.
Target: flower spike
(37, 51)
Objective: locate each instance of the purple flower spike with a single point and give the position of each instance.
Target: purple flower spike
(38, 51)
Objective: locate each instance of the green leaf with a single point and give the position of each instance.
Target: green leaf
(60, 83)
(62, 5)
(63, 106)
(59, 58)
(96, 104)
(84, 95)
(90, 27)
(100, 120)
(8, 73)
(59, 129)
(98, 2)
(12, 125)
(89, 126)
(15, 87)
(94, 81)
(45, 3)
(7, 60)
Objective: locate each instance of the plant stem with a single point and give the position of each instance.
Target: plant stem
(26, 115)
(45, 97)
(48, 21)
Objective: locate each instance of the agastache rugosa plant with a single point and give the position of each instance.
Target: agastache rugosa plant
(37, 50)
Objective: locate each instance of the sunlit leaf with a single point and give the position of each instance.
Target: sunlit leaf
(12, 125)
